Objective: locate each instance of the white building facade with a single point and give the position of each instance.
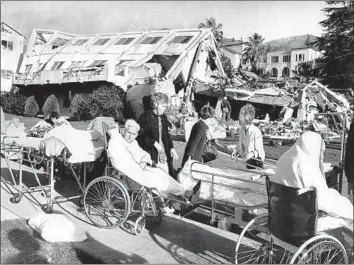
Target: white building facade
(12, 43)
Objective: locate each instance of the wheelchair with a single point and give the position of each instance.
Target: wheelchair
(287, 233)
(109, 201)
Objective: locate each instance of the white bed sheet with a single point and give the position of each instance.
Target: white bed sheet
(243, 188)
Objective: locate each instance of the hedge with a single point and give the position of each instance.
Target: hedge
(51, 105)
(31, 107)
(79, 109)
(13, 103)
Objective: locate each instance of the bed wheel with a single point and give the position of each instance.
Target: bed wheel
(139, 225)
(16, 198)
(49, 209)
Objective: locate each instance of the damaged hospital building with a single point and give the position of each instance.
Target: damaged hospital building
(139, 62)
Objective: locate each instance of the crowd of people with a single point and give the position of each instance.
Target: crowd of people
(300, 167)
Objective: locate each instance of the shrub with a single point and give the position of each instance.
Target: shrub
(79, 109)
(31, 107)
(13, 103)
(50, 105)
(108, 101)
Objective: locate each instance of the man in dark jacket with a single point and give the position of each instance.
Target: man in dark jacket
(349, 159)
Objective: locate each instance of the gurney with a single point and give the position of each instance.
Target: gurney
(71, 145)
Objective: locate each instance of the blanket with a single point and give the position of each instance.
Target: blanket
(124, 158)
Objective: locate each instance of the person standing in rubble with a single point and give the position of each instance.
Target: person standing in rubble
(225, 109)
(349, 158)
(250, 145)
(154, 136)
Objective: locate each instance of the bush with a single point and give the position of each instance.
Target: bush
(13, 103)
(108, 101)
(31, 107)
(50, 105)
(79, 109)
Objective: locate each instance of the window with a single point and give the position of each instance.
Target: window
(7, 45)
(100, 42)
(286, 72)
(7, 74)
(58, 42)
(181, 39)
(57, 65)
(274, 72)
(151, 40)
(124, 41)
(300, 57)
(286, 58)
(274, 59)
(80, 42)
(28, 68)
(98, 63)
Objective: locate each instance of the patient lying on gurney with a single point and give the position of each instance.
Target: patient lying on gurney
(301, 167)
(127, 157)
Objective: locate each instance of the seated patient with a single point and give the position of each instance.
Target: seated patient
(128, 157)
(302, 166)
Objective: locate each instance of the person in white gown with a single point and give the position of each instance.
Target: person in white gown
(129, 158)
(302, 167)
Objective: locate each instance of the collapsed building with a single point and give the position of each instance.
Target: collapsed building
(139, 62)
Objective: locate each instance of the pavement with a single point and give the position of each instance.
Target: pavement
(174, 241)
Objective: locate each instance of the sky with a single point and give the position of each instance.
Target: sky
(240, 19)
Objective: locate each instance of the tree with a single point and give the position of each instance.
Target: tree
(227, 66)
(305, 71)
(216, 29)
(337, 45)
(254, 50)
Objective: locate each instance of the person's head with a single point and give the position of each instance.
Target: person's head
(131, 130)
(225, 97)
(312, 144)
(158, 103)
(206, 112)
(246, 116)
(52, 117)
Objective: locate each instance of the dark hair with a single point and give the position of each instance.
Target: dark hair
(52, 115)
(206, 112)
(150, 102)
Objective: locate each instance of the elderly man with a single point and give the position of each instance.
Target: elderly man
(129, 158)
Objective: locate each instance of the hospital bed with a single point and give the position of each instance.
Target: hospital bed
(37, 152)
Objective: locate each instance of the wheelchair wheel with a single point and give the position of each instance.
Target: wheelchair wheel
(321, 249)
(255, 245)
(139, 225)
(106, 202)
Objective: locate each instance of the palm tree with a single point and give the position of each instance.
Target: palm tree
(254, 50)
(305, 71)
(216, 28)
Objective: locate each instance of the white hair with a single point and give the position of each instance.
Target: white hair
(132, 124)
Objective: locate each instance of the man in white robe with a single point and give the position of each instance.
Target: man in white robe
(129, 158)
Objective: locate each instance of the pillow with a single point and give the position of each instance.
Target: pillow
(57, 228)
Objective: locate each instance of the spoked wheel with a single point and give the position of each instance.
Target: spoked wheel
(106, 202)
(255, 245)
(139, 225)
(321, 249)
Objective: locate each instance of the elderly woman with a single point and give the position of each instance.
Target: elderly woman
(250, 145)
(302, 167)
(154, 136)
(198, 139)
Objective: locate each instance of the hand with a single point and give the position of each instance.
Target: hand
(146, 159)
(143, 165)
(174, 154)
(234, 153)
(158, 147)
(249, 155)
